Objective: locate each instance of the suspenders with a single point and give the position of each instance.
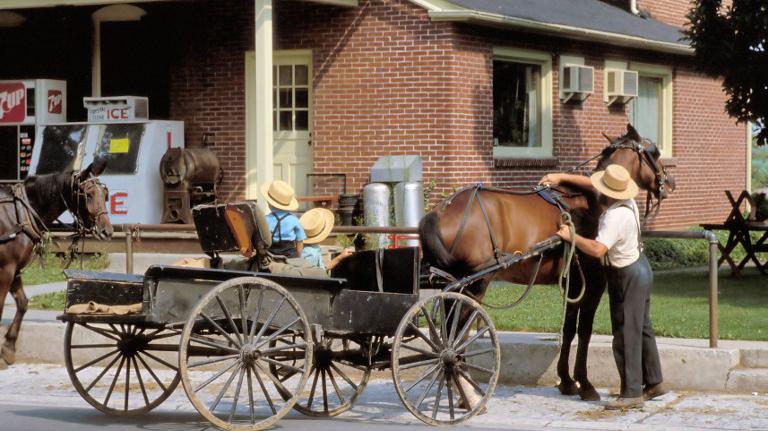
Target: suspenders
(606, 260)
(280, 247)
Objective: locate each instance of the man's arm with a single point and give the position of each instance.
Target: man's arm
(578, 181)
(588, 246)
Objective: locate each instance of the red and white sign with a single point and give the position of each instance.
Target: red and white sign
(13, 102)
(55, 101)
(117, 203)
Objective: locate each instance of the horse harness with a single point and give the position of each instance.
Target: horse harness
(550, 195)
(79, 190)
(646, 156)
(28, 221)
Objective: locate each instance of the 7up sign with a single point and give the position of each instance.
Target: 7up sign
(13, 102)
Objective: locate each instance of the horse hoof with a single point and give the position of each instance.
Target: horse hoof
(8, 356)
(589, 395)
(568, 388)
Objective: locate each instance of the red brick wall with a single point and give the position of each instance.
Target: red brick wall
(669, 11)
(387, 81)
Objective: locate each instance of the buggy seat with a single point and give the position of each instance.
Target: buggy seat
(237, 226)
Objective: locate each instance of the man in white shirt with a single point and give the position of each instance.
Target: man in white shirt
(630, 281)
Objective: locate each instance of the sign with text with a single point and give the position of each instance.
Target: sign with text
(13, 102)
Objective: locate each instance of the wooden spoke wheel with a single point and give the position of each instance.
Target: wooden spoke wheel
(338, 378)
(241, 327)
(444, 372)
(121, 369)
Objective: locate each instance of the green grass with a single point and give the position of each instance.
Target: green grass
(679, 307)
(52, 270)
(49, 301)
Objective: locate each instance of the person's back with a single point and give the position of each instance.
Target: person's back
(285, 229)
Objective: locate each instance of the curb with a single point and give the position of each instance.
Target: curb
(530, 359)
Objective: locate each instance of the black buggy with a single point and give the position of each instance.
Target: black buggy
(249, 346)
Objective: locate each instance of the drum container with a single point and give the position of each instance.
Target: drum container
(409, 206)
(376, 198)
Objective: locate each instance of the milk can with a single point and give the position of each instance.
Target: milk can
(409, 207)
(376, 198)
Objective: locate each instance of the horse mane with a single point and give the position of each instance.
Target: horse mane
(48, 187)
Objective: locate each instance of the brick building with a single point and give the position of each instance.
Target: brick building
(475, 87)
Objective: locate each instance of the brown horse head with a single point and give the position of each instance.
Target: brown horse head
(642, 158)
(88, 200)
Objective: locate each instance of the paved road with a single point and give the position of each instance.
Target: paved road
(40, 397)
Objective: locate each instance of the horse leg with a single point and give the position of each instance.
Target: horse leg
(567, 386)
(8, 353)
(595, 288)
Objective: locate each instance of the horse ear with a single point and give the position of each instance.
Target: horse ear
(632, 133)
(95, 168)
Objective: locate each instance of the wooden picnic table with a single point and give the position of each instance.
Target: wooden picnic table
(740, 231)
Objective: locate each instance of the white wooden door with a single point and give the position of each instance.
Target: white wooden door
(291, 115)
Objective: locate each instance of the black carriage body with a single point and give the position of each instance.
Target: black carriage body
(371, 299)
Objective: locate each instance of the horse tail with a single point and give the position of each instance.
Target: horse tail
(432, 245)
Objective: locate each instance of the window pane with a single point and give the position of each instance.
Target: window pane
(302, 74)
(645, 109)
(285, 75)
(274, 98)
(120, 147)
(274, 76)
(274, 121)
(285, 120)
(302, 120)
(285, 98)
(302, 98)
(516, 104)
(60, 147)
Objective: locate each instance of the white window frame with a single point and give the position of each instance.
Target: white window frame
(665, 73)
(544, 60)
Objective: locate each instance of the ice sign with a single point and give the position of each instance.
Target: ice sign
(116, 109)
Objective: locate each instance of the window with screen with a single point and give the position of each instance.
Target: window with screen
(522, 108)
(119, 146)
(61, 145)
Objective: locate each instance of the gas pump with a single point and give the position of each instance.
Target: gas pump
(24, 106)
(118, 130)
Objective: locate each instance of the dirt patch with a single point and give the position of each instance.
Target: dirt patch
(705, 410)
(599, 413)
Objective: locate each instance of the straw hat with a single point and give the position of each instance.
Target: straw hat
(317, 224)
(280, 195)
(615, 182)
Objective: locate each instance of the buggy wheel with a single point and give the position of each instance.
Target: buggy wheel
(241, 327)
(444, 372)
(127, 370)
(338, 377)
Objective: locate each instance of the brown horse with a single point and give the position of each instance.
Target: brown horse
(460, 234)
(25, 211)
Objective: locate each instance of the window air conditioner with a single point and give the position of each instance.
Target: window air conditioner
(620, 85)
(578, 82)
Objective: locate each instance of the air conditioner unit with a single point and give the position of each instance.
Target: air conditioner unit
(620, 85)
(577, 82)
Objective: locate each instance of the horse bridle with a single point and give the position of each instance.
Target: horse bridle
(79, 190)
(645, 156)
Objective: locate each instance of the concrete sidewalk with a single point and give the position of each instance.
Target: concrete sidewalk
(527, 358)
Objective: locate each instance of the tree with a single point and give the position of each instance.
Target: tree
(730, 41)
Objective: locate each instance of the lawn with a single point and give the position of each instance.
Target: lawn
(679, 307)
(52, 269)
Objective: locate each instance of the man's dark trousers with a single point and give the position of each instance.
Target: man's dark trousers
(634, 343)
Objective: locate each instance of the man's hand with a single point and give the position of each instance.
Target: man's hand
(564, 232)
(551, 179)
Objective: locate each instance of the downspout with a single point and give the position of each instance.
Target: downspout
(633, 7)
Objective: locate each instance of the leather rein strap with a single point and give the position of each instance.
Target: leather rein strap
(31, 225)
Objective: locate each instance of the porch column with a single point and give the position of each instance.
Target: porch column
(263, 103)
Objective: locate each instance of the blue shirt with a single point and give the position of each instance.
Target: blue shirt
(312, 254)
(290, 228)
